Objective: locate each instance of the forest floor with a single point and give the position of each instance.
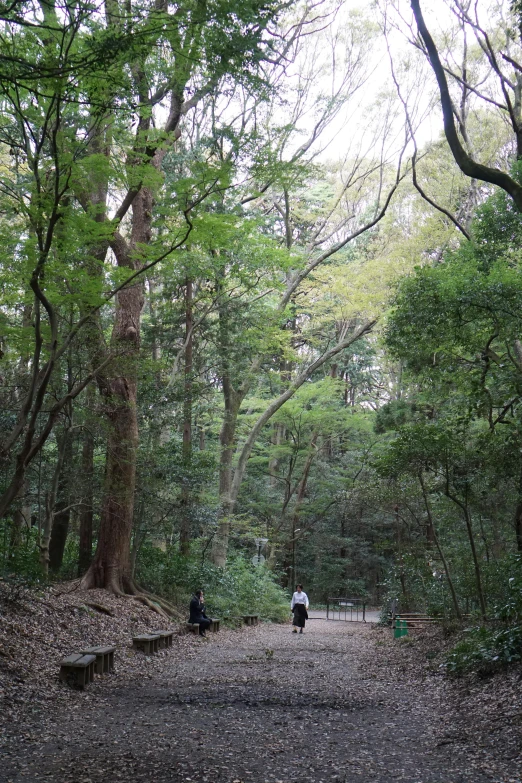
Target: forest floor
(342, 702)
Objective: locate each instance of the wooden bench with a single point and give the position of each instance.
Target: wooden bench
(214, 625)
(413, 619)
(78, 670)
(147, 643)
(193, 628)
(104, 658)
(251, 619)
(165, 638)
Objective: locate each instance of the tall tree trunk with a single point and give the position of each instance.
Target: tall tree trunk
(21, 517)
(87, 496)
(111, 566)
(518, 515)
(50, 502)
(232, 400)
(435, 539)
(299, 502)
(184, 533)
(62, 511)
(469, 527)
(227, 441)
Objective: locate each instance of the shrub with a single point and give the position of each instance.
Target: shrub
(484, 650)
(240, 588)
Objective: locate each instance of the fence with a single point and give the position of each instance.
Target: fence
(346, 609)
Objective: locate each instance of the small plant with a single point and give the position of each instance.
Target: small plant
(485, 650)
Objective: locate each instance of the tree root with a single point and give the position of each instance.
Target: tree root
(155, 607)
(74, 584)
(166, 605)
(100, 608)
(130, 590)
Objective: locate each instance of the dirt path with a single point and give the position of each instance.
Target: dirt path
(260, 705)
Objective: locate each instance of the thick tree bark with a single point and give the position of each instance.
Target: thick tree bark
(111, 566)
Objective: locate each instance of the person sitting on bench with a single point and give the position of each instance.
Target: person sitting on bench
(197, 612)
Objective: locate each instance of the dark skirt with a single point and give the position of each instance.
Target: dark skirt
(300, 615)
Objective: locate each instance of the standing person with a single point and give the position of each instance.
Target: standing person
(299, 607)
(197, 612)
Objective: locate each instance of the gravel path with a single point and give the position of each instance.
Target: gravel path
(260, 705)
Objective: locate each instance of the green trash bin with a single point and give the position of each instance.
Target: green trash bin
(401, 628)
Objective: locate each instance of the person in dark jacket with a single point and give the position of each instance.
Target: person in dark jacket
(197, 612)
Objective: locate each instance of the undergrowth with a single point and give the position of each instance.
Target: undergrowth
(488, 648)
(238, 589)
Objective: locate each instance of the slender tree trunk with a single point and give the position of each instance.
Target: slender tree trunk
(518, 515)
(232, 400)
(16, 530)
(21, 517)
(184, 533)
(439, 548)
(278, 435)
(402, 576)
(62, 512)
(50, 501)
(299, 502)
(469, 527)
(86, 509)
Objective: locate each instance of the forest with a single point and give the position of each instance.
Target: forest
(261, 309)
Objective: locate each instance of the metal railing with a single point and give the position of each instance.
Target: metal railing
(346, 609)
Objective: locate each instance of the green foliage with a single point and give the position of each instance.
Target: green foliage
(21, 562)
(240, 588)
(485, 650)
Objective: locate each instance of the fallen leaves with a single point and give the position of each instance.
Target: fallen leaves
(340, 703)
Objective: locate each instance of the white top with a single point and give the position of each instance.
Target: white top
(299, 598)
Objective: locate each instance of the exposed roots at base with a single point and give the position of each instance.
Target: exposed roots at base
(132, 591)
(155, 607)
